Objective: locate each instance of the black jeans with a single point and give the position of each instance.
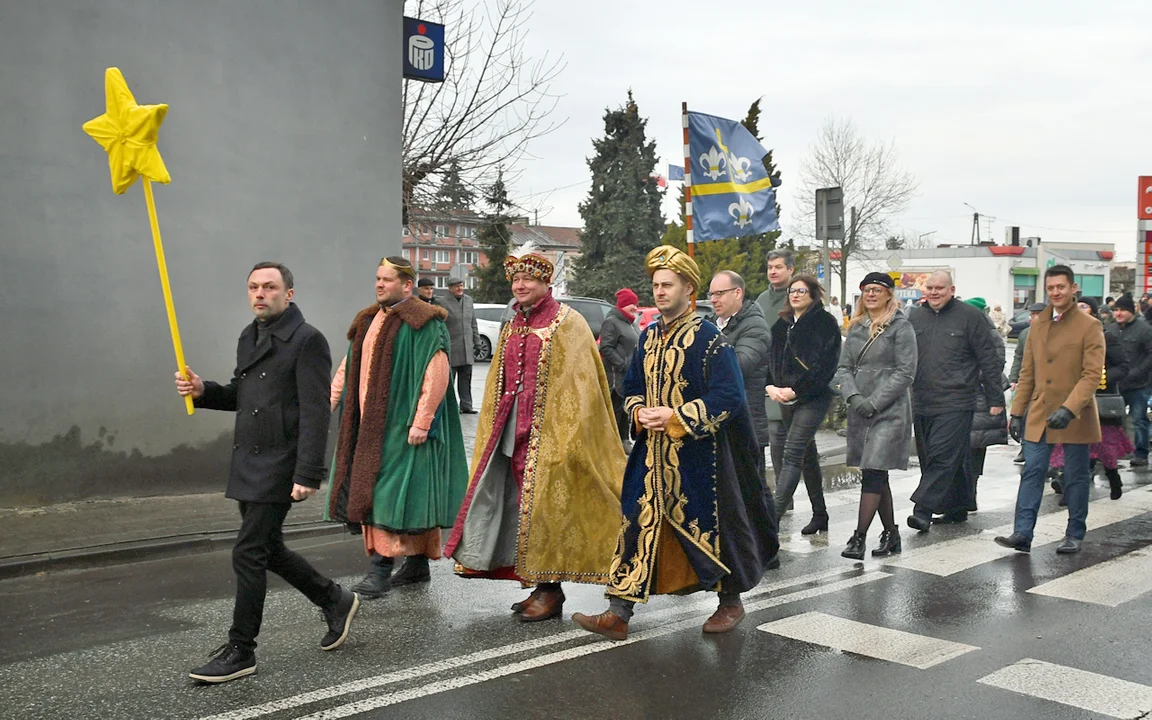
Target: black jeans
(794, 443)
(622, 421)
(259, 548)
(943, 446)
(464, 385)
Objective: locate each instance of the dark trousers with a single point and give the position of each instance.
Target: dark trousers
(622, 421)
(943, 446)
(260, 548)
(794, 452)
(463, 375)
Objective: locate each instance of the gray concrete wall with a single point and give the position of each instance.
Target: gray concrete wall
(283, 140)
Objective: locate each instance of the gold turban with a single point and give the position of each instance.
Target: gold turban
(667, 257)
(400, 265)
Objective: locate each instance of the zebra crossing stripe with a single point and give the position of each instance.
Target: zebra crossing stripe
(1076, 688)
(1110, 583)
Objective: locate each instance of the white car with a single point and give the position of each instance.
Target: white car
(488, 324)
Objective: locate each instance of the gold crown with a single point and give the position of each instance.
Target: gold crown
(534, 265)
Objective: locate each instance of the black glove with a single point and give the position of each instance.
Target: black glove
(1060, 419)
(1016, 427)
(862, 406)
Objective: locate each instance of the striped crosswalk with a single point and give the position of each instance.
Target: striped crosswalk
(1078, 688)
(1110, 583)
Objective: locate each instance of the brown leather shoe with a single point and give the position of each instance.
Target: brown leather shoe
(606, 623)
(546, 604)
(724, 619)
(519, 607)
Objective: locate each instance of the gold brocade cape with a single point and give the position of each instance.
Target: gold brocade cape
(569, 513)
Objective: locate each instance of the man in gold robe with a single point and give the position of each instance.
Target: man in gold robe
(543, 505)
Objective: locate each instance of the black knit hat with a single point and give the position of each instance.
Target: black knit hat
(878, 278)
(1124, 302)
(1091, 302)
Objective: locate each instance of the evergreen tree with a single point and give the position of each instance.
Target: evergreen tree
(622, 217)
(454, 193)
(494, 239)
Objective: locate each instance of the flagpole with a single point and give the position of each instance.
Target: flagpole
(688, 191)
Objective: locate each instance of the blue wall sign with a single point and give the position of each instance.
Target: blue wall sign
(423, 50)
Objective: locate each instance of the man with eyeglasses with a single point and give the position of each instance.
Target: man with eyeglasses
(958, 359)
(742, 322)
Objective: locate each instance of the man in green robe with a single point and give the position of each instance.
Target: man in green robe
(399, 471)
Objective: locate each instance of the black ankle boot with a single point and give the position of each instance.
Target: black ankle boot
(1113, 476)
(414, 570)
(889, 543)
(855, 549)
(819, 523)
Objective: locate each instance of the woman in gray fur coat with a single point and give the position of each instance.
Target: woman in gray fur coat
(876, 369)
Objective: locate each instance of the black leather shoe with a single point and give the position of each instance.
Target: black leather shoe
(1069, 546)
(919, 524)
(467, 411)
(855, 549)
(1016, 541)
(372, 586)
(339, 619)
(889, 543)
(1138, 462)
(1019, 459)
(818, 523)
(414, 570)
(229, 662)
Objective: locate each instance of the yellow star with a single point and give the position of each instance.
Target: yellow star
(128, 131)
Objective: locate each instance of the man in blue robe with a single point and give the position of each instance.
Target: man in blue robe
(696, 515)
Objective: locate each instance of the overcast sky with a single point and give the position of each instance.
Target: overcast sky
(1036, 113)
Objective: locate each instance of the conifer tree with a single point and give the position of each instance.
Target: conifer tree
(494, 239)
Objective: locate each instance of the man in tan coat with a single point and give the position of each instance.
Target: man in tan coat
(1062, 366)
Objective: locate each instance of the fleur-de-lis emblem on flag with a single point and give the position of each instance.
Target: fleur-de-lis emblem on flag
(713, 163)
(739, 167)
(742, 212)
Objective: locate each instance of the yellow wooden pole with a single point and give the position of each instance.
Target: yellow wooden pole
(171, 307)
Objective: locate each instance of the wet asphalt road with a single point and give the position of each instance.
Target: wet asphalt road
(117, 642)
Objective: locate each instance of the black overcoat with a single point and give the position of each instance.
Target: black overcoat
(280, 394)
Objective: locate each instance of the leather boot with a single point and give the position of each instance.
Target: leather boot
(606, 623)
(1114, 481)
(414, 570)
(378, 580)
(546, 605)
(518, 607)
(855, 549)
(818, 523)
(889, 543)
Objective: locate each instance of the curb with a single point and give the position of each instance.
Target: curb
(831, 463)
(139, 550)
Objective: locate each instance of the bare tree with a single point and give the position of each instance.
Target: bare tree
(873, 182)
(494, 99)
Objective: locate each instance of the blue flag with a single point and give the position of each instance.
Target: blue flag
(676, 172)
(732, 195)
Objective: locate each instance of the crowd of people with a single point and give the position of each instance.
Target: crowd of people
(639, 463)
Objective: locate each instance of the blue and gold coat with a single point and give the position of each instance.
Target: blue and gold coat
(696, 514)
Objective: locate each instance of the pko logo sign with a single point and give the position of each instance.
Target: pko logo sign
(423, 50)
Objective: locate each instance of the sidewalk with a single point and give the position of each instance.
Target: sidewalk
(107, 532)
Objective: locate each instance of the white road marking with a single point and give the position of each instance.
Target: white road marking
(905, 648)
(1076, 688)
(1110, 583)
(454, 683)
(426, 669)
(953, 556)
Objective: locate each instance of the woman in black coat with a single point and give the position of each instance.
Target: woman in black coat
(801, 364)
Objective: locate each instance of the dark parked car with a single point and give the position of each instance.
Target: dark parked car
(1018, 322)
(593, 310)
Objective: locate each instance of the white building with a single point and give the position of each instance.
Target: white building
(1007, 275)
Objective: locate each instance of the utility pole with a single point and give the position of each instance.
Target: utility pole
(975, 239)
(844, 256)
(829, 226)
